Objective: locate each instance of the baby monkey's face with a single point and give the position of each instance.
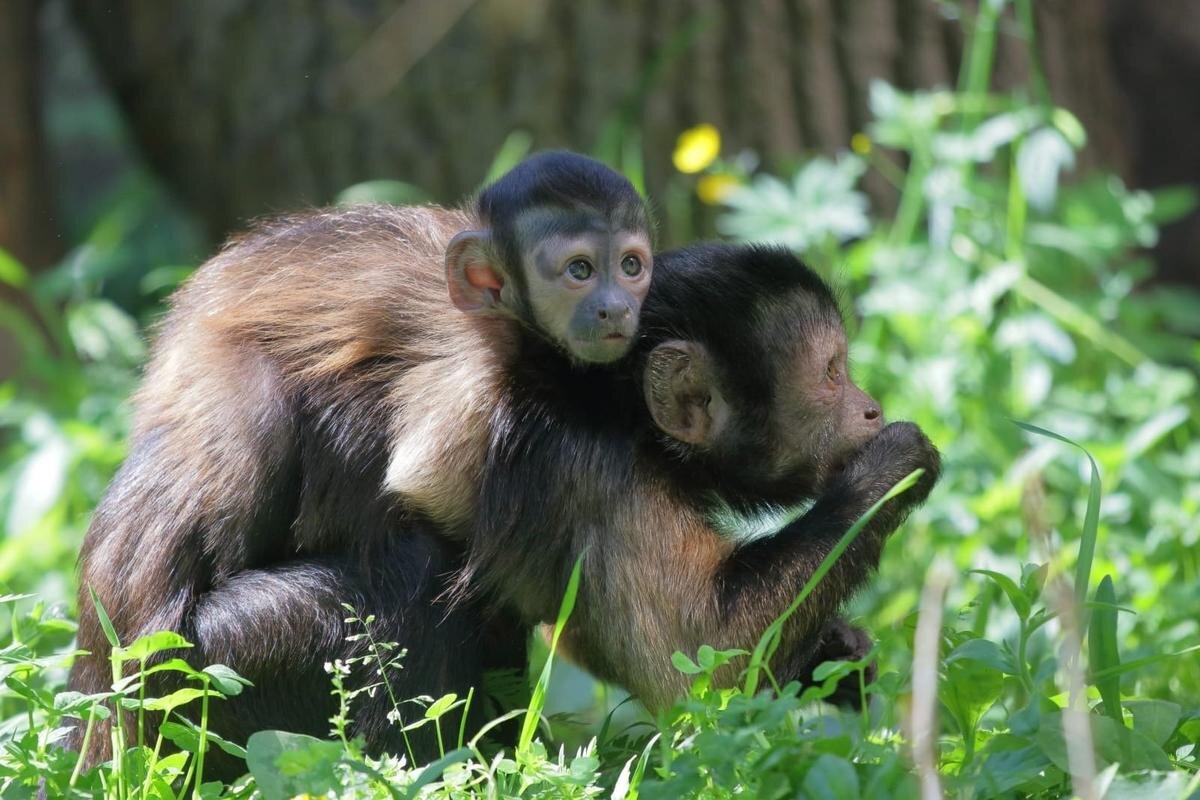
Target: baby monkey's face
(587, 276)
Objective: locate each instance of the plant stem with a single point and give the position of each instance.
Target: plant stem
(1029, 31)
(908, 215)
(154, 756)
(387, 685)
(1077, 319)
(974, 79)
(118, 731)
(141, 703)
(83, 747)
(203, 745)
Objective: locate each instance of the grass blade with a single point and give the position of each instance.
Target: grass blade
(538, 700)
(1091, 519)
(110, 632)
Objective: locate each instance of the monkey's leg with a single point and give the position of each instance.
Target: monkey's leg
(278, 627)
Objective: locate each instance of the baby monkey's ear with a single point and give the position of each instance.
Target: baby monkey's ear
(473, 273)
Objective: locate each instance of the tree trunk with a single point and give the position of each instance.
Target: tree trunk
(1156, 52)
(242, 120)
(253, 107)
(26, 224)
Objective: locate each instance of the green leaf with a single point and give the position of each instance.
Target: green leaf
(40, 482)
(172, 665)
(1006, 763)
(820, 204)
(1041, 157)
(1155, 719)
(1033, 580)
(1019, 599)
(1113, 744)
(514, 148)
(969, 690)
(225, 680)
(145, 646)
(831, 778)
(1153, 786)
(986, 652)
(173, 700)
(684, 664)
(101, 331)
(1138, 663)
(76, 704)
(434, 771)
(171, 766)
(440, 706)
(1172, 203)
(185, 734)
(1102, 648)
(287, 764)
(11, 271)
(832, 669)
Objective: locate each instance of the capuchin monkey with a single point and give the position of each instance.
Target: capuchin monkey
(311, 363)
(319, 424)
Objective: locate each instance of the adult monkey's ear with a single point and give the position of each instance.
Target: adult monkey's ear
(473, 277)
(683, 393)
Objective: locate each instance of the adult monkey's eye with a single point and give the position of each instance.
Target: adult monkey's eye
(580, 270)
(631, 265)
(831, 370)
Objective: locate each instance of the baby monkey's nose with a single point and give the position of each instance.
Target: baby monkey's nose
(615, 312)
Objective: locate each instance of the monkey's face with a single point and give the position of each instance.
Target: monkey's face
(814, 420)
(820, 417)
(586, 287)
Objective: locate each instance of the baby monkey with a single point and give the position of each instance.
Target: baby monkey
(564, 249)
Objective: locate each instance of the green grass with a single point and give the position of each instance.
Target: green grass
(1065, 596)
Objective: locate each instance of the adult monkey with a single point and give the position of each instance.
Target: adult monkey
(245, 481)
(297, 365)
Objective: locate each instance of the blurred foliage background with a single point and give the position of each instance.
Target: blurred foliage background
(1005, 193)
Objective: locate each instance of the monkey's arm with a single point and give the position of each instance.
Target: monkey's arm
(758, 581)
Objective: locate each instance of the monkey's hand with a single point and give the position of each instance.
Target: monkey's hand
(897, 450)
(843, 642)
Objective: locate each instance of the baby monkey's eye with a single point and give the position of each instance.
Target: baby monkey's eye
(579, 269)
(831, 370)
(631, 265)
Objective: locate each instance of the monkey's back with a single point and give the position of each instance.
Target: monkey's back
(335, 306)
(331, 327)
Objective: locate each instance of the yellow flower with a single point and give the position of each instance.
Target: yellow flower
(712, 189)
(860, 143)
(696, 148)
